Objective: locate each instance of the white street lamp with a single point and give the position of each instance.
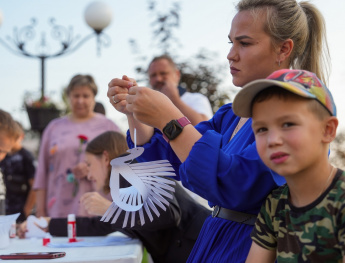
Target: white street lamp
(98, 16)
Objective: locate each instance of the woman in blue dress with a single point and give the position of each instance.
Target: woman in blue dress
(217, 159)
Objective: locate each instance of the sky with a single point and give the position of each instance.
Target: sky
(204, 24)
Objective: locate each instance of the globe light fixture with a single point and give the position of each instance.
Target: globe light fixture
(98, 16)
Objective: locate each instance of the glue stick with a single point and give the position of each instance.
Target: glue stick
(71, 228)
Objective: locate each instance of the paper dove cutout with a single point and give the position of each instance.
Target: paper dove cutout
(148, 187)
(35, 227)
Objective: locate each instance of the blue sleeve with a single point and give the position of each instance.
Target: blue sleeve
(226, 173)
(224, 178)
(157, 149)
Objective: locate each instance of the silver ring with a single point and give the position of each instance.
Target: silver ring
(115, 102)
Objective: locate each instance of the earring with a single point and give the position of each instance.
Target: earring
(278, 63)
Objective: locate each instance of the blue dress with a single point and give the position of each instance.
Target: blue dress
(226, 173)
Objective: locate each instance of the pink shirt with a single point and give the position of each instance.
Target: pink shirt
(60, 151)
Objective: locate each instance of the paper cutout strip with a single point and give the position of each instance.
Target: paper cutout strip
(148, 187)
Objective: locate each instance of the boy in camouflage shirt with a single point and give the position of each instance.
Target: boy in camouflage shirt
(294, 121)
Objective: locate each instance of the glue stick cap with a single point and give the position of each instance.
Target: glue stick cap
(46, 239)
(71, 217)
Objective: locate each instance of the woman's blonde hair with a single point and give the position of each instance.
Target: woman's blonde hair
(114, 143)
(304, 24)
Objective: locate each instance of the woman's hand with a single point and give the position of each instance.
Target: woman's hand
(94, 203)
(151, 107)
(118, 91)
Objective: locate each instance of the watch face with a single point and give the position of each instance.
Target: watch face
(172, 129)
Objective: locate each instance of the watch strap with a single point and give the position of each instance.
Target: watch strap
(183, 122)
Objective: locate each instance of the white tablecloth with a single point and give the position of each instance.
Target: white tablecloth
(121, 253)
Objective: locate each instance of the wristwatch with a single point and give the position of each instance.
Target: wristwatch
(174, 128)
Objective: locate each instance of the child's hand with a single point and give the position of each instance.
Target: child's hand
(81, 170)
(21, 229)
(94, 203)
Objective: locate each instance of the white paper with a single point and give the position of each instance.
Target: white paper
(35, 227)
(5, 226)
(147, 191)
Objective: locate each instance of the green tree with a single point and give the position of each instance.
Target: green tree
(200, 73)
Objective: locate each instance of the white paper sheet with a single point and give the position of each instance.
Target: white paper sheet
(148, 188)
(5, 225)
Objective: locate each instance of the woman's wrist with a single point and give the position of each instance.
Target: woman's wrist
(168, 119)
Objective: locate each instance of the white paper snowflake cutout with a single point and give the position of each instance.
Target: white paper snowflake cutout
(148, 187)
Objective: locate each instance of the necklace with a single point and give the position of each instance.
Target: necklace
(241, 122)
(329, 177)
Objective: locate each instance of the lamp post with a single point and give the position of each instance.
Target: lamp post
(97, 15)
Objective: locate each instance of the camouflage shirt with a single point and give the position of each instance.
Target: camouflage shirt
(313, 233)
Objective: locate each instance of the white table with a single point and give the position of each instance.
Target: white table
(127, 253)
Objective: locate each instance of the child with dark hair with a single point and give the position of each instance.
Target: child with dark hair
(18, 169)
(294, 121)
(8, 136)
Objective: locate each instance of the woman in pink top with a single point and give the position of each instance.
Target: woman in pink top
(60, 178)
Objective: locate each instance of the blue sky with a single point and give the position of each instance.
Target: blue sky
(204, 24)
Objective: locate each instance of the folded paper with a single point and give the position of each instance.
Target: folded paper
(148, 189)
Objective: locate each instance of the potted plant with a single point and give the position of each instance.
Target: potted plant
(40, 111)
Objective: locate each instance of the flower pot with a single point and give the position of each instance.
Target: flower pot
(40, 117)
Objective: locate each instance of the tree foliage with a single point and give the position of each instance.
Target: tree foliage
(205, 76)
(164, 25)
(337, 155)
(199, 73)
